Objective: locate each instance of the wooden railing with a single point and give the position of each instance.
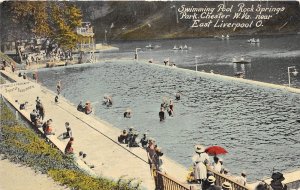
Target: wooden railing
(165, 182)
(221, 178)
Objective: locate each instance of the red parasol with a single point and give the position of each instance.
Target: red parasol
(215, 150)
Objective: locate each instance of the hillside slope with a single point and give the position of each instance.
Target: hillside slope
(156, 20)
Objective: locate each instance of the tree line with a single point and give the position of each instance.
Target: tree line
(55, 21)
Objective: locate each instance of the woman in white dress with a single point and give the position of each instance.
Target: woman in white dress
(200, 160)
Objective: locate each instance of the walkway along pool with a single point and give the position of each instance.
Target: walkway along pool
(256, 125)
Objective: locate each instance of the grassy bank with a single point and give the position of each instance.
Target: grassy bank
(22, 145)
(2, 81)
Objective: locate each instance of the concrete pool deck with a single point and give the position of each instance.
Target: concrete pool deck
(94, 137)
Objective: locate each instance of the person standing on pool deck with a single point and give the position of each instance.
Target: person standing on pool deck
(58, 87)
(201, 160)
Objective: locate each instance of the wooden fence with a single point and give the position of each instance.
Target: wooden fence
(165, 182)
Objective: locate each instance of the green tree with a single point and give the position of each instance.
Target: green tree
(33, 15)
(65, 19)
(56, 21)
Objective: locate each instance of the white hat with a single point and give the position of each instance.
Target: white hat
(211, 179)
(226, 185)
(199, 148)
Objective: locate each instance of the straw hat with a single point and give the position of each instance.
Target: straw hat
(211, 179)
(199, 148)
(226, 185)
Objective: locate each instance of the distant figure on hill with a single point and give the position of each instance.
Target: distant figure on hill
(69, 149)
(123, 137)
(161, 114)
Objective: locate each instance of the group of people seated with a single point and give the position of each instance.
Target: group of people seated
(47, 127)
(35, 118)
(130, 138)
(87, 108)
(22, 75)
(37, 115)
